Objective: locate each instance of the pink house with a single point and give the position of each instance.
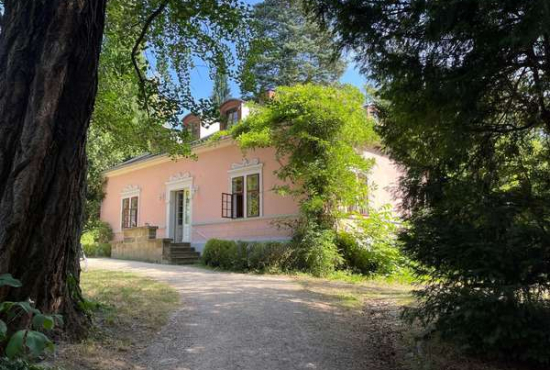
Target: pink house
(167, 203)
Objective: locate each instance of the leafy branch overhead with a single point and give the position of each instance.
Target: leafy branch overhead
(172, 37)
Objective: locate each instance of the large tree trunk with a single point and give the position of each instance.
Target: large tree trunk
(49, 51)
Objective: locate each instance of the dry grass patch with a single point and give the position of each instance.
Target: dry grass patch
(128, 310)
(356, 293)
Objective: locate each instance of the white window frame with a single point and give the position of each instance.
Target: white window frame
(129, 194)
(244, 172)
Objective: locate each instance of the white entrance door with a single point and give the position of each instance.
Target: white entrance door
(182, 219)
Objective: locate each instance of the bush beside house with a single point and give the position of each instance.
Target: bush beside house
(95, 241)
(318, 253)
(248, 256)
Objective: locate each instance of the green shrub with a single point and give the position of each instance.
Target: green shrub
(246, 256)
(26, 340)
(372, 246)
(489, 265)
(356, 258)
(488, 324)
(240, 256)
(95, 241)
(221, 253)
(270, 256)
(316, 251)
(97, 249)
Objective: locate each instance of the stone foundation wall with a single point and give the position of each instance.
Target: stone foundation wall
(140, 244)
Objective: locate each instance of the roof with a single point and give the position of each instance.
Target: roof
(140, 158)
(148, 156)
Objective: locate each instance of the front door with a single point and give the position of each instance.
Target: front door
(182, 220)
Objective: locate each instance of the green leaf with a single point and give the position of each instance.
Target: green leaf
(8, 280)
(41, 321)
(3, 330)
(34, 341)
(37, 343)
(26, 306)
(15, 346)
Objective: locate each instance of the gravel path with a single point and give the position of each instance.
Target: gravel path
(251, 322)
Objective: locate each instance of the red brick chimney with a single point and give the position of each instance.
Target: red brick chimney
(269, 94)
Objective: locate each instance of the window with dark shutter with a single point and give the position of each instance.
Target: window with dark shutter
(227, 205)
(244, 199)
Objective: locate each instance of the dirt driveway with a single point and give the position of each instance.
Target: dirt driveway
(253, 322)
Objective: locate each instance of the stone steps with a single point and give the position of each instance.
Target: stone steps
(183, 260)
(185, 254)
(182, 254)
(182, 249)
(188, 245)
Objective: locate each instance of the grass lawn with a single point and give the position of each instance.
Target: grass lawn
(129, 309)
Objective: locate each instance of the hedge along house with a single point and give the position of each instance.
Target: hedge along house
(163, 209)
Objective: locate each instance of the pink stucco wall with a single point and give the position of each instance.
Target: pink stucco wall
(210, 179)
(384, 175)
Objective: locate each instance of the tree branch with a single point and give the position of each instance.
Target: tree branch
(135, 49)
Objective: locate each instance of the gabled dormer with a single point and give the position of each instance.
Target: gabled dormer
(193, 124)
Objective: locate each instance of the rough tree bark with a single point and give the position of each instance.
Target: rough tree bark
(49, 51)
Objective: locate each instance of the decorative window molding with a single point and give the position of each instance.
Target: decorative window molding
(246, 164)
(244, 169)
(130, 190)
(179, 177)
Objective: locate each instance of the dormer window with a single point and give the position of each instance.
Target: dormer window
(192, 124)
(231, 113)
(195, 129)
(232, 117)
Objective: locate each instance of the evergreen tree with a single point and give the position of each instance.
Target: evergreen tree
(290, 49)
(221, 90)
(465, 89)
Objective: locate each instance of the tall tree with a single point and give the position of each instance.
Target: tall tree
(48, 81)
(221, 90)
(290, 49)
(465, 89)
